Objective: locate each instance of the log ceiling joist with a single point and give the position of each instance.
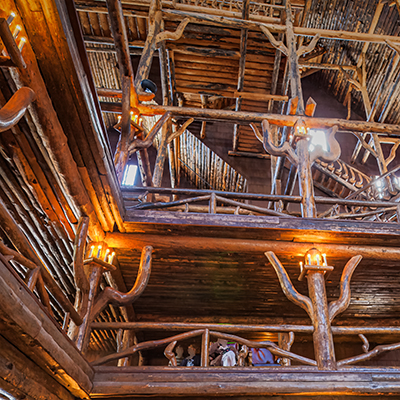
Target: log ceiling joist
(277, 119)
(170, 14)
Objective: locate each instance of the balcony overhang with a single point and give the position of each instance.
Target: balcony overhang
(248, 381)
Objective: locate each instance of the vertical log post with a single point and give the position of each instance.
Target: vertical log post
(129, 92)
(285, 341)
(204, 102)
(161, 154)
(242, 68)
(96, 266)
(205, 345)
(306, 186)
(322, 336)
(316, 304)
(166, 128)
(121, 154)
(155, 20)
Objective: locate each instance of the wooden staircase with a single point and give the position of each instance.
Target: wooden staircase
(338, 179)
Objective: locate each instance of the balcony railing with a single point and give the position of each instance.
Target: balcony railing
(219, 202)
(209, 332)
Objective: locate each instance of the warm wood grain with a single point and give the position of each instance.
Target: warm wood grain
(242, 381)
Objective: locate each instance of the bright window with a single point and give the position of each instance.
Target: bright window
(129, 175)
(318, 137)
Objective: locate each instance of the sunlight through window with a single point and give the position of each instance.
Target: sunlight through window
(129, 175)
(318, 137)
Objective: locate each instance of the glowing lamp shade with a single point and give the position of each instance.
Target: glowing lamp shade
(318, 138)
(315, 257)
(301, 129)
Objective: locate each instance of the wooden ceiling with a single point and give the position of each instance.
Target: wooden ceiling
(206, 60)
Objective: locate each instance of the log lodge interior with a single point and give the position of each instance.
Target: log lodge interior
(199, 175)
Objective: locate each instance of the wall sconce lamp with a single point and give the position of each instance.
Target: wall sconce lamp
(315, 261)
(14, 57)
(99, 252)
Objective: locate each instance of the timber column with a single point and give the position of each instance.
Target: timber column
(306, 186)
(315, 269)
(322, 337)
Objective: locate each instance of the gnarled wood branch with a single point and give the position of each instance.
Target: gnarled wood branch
(147, 345)
(277, 44)
(257, 133)
(166, 35)
(115, 297)
(310, 47)
(284, 149)
(367, 356)
(15, 108)
(179, 131)
(138, 144)
(365, 144)
(365, 345)
(81, 281)
(341, 304)
(287, 287)
(170, 354)
(271, 346)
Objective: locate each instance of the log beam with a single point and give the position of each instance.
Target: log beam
(242, 382)
(276, 119)
(280, 28)
(190, 243)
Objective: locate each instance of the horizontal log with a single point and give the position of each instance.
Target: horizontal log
(327, 66)
(280, 28)
(117, 93)
(260, 96)
(243, 381)
(276, 119)
(176, 326)
(189, 243)
(135, 10)
(248, 154)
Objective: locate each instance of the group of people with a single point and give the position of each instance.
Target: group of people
(221, 354)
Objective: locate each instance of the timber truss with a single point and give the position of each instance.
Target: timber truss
(295, 46)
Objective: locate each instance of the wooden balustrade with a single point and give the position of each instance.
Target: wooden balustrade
(38, 277)
(230, 332)
(233, 203)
